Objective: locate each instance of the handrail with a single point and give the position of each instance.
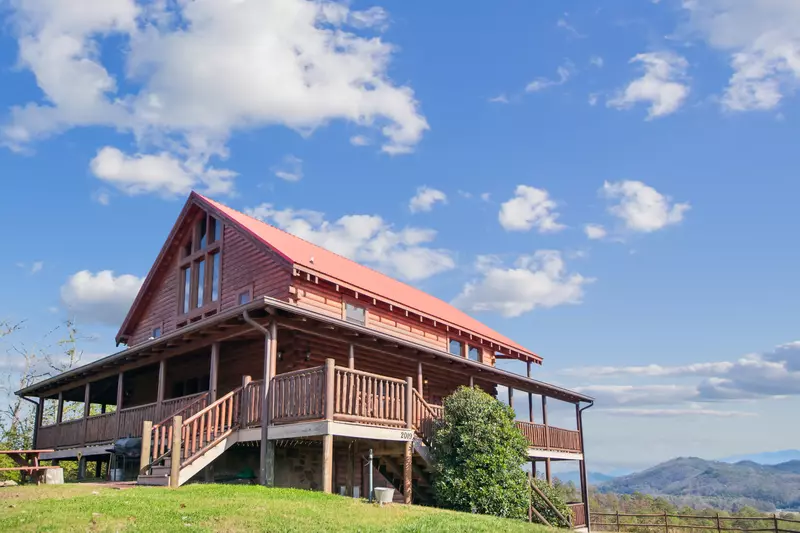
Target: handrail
(200, 397)
(423, 424)
(208, 407)
(135, 407)
(370, 375)
(161, 434)
(207, 427)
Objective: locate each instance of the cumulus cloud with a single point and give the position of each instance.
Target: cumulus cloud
(663, 85)
(100, 297)
(533, 281)
(365, 238)
(642, 208)
(676, 412)
(772, 374)
(563, 73)
(595, 231)
(197, 72)
(291, 169)
(763, 40)
(530, 207)
(425, 199)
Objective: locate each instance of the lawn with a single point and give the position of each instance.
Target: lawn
(229, 508)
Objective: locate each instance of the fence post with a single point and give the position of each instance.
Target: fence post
(719, 525)
(175, 461)
(147, 434)
(666, 522)
(617, 520)
(775, 522)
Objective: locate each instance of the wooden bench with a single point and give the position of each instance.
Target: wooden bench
(28, 463)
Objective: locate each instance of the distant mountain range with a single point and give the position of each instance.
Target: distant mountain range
(700, 483)
(766, 458)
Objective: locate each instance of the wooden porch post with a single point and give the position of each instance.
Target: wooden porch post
(530, 396)
(39, 414)
(119, 403)
(407, 456)
(162, 379)
(419, 379)
(246, 401)
(547, 471)
(60, 411)
(511, 399)
(351, 358)
(147, 435)
(86, 411)
(327, 439)
(471, 382)
(213, 374)
(267, 466)
(175, 452)
(582, 464)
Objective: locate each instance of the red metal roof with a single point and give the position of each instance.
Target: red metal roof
(300, 252)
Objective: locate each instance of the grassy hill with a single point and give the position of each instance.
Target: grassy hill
(223, 508)
(718, 484)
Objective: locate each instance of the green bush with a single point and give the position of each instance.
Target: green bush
(556, 497)
(478, 454)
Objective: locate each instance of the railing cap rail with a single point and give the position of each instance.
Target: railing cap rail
(369, 375)
(295, 372)
(208, 407)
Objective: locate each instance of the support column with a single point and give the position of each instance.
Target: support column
(351, 467)
(60, 409)
(420, 381)
(351, 358)
(98, 468)
(582, 464)
(39, 414)
(162, 380)
(213, 373)
(119, 404)
(82, 468)
(175, 453)
(547, 471)
(409, 450)
(511, 399)
(471, 382)
(327, 439)
(530, 396)
(267, 462)
(86, 410)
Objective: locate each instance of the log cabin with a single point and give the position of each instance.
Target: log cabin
(250, 348)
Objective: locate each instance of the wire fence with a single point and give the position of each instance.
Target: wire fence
(684, 523)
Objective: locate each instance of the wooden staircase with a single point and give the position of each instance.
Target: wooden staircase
(202, 437)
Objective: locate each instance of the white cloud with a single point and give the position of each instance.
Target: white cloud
(160, 173)
(499, 99)
(614, 395)
(365, 238)
(359, 140)
(533, 281)
(100, 297)
(425, 199)
(102, 197)
(597, 61)
(595, 231)
(653, 370)
(530, 207)
(763, 40)
(569, 28)
(485, 196)
(641, 207)
(676, 412)
(291, 169)
(593, 99)
(197, 72)
(662, 85)
(564, 73)
(37, 266)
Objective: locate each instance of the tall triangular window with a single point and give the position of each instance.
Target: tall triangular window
(199, 268)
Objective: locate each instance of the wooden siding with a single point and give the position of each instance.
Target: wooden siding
(316, 297)
(246, 265)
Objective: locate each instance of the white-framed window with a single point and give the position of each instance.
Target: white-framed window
(355, 314)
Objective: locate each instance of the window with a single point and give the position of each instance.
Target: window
(156, 333)
(474, 354)
(200, 267)
(244, 297)
(355, 314)
(456, 348)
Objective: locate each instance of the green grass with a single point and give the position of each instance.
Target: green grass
(227, 508)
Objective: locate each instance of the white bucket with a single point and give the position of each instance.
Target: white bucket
(384, 495)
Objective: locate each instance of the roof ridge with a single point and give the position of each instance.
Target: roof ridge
(362, 265)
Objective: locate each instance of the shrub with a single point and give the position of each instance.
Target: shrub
(478, 454)
(556, 497)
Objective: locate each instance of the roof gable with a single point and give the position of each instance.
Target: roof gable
(310, 256)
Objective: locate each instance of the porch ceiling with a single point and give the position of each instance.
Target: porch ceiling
(229, 325)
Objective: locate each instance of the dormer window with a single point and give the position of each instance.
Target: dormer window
(199, 269)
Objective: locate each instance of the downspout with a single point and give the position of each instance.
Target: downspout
(36, 418)
(585, 480)
(266, 473)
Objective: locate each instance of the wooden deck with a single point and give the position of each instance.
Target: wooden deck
(307, 395)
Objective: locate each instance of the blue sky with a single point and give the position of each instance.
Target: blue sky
(515, 125)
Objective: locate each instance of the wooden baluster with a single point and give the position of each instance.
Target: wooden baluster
(202, 426)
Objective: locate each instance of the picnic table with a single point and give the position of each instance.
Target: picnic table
(27, 463)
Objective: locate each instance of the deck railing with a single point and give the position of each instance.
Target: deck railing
(689, 523)
(101, 428)
(251, 403)
(550, 438)
(368, 398)
(185, 406)
(424, 416)
(48, 436)
(298, 396)
(207, 427)
(578, 514)
(131, 419)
